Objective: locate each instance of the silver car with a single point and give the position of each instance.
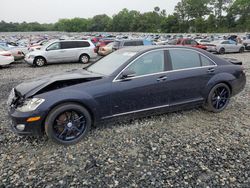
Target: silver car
(62, 51)
(226, 46)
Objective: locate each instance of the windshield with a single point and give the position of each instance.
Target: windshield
(109, 64)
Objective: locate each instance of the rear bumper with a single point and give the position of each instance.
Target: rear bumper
(239, 84)
(211, 49)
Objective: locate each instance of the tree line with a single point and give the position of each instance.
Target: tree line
(189, 16)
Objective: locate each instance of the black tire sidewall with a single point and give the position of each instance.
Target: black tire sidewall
(80, 59)
(241, 50)
(209, 106)
(57, 111)
(222, 51)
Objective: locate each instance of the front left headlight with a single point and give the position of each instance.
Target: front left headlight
(30, 105)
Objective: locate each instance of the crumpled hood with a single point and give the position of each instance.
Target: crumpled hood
(33, 86)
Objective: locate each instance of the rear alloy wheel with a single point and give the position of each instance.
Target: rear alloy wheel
(68, 124)
(241, 50)
(222, 51)
(218, 98)
(84, 58)
(39, 61)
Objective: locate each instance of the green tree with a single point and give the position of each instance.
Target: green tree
(100, 23)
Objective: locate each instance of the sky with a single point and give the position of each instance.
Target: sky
(49, 11)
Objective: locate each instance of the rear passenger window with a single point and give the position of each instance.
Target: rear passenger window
(67, 45)
(205, 61)
(82, 44)
(139, 43)
(130, 43)
(183, 59)
(74, 44)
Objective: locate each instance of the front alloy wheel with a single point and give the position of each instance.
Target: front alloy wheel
(39, 62)
(67, 124)
(218, 98)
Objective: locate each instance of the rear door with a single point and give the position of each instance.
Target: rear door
(189, 76)
(227, 46)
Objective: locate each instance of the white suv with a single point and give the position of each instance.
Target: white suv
(62, 51)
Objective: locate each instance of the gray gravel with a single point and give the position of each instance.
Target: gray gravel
(192, 148)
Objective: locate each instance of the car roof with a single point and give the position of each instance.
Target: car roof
(129, 40)
(139, 49)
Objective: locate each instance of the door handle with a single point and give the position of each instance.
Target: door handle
(162, 78)
(211, 70)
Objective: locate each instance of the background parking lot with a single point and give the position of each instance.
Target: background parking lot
(193, 147)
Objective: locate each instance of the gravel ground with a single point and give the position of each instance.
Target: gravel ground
(192, 148)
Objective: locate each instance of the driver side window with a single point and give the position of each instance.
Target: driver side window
(54, 46)
(149, 63)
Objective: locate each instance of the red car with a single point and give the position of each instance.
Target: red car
(102, 42)
(191, 43)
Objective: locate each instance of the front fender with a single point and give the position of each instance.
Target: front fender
(53, 99)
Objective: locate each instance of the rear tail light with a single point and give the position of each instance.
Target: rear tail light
(6, 54)
(19, 53)
(95, 49)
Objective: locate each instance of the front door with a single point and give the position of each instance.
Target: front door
(53, 53)
(146, 89)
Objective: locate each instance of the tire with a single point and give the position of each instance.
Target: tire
(68, 123)
(84, 58)
(39, 61)
(241, 50)
(218, 98)
(222, 51)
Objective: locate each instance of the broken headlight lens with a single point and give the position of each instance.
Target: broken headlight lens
(30, 105)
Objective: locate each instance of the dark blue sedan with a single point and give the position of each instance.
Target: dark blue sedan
(134, 81)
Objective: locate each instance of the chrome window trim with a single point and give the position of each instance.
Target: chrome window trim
(119, 80)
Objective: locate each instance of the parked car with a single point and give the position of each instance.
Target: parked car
(190, 42)
(207, 43)
(4, 52)
(5, 59)
(38, 46)
(226, 46)
(121, 43)
(18, 54)
(131, 82)
(62, 51)
(105, 50)
(102, 43)
(246, 42)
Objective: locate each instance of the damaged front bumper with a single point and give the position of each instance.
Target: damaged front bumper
(21, 126)
(21, 123)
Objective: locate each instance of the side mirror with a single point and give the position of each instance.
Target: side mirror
(128, 74)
